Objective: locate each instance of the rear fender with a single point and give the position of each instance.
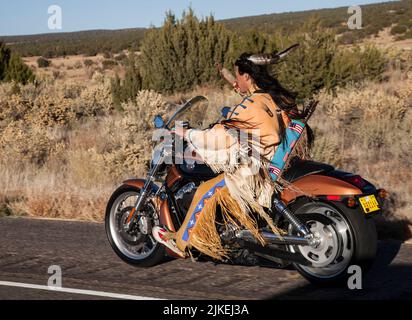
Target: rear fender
(318, 185)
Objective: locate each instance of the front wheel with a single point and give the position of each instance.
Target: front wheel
(137, 245)
(347, 238)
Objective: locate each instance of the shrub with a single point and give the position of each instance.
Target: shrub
(134, 150)
(406, 35)
(366, 129)
(108, 64)
(12, 67)
(398, 29)
(310, 67)
(77, 65)
(181, 54)
(43, 63)
(91, 52)
(17, 71)
(123, 90)
(4, 60)
(120, 57)
(88, 62)
(21, 143)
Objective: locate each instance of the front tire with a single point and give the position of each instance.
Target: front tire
(348, 239)
(137, 247)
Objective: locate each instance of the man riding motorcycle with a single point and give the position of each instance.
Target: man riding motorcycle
(247, 184)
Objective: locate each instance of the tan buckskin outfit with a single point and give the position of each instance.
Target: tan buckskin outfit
(244, 187)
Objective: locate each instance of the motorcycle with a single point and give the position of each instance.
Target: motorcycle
(327, 213)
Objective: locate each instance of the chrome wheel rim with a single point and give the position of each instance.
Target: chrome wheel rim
(334, 253)
(134, 245)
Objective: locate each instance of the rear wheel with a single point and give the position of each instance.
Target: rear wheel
(347, 239)
(137, 245)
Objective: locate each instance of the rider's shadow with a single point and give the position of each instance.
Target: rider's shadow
(385, 280)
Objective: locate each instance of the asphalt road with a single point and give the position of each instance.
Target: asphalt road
(28, 247)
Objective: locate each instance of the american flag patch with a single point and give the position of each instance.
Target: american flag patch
(274, 170)
(296, 127)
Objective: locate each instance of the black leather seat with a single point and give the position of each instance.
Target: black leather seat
(300, 168)
(198, 171)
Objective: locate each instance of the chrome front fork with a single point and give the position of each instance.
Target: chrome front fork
(144, 193)
(139, 202)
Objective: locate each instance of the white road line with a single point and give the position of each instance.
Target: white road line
(77, 291)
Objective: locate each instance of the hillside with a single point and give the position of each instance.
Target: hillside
(72, 43)
(375, 18)
(396, 15)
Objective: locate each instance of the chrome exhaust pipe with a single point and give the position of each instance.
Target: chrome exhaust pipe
(272, 238)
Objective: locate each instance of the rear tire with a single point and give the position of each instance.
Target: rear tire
(124, 244)
(356, 246)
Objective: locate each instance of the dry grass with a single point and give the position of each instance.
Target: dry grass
(367, 130)
(64, 148)
(73, 67)
(385, 40)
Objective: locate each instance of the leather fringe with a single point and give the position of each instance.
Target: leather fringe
(205, 236)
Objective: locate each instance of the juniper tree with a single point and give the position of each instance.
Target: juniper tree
(4, 60)
(181, 54)
(12, 67)
(126, 89)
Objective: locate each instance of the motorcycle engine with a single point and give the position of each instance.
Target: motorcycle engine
(184, 196)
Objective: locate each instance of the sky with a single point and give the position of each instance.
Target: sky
(21, 17)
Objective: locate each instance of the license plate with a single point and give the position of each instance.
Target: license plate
(369, 204)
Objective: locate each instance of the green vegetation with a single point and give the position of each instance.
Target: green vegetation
(180, 56)
(43, 63)
(398, 29)
(406, 35)
(88, 62)
(89, 43)
(320, 63)
(120, 57)
(12, 67)
(375, 17)
(4, 60)
(123, 90)
(109, 64)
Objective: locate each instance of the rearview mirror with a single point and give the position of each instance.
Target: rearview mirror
(158, 122)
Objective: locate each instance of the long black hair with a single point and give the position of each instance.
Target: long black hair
(283, 98)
